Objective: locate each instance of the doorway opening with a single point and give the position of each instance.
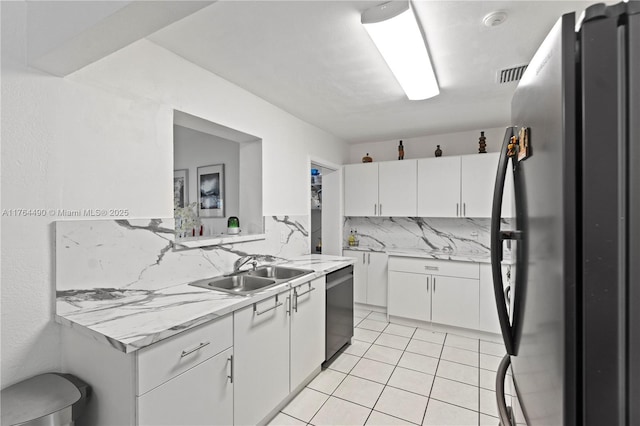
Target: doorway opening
(316, 208)
(325, 208)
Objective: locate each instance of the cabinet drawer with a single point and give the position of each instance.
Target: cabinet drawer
(434, 267)
(201, 396)
(170, 357)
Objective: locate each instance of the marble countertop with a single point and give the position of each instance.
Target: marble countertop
(131, 319)
(478, 256)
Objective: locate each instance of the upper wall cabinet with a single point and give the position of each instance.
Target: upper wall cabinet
(397, 186)
(361, 189)
(478, 181)
(381, 189)
(461, 186)
(439, 187)
(478, 177)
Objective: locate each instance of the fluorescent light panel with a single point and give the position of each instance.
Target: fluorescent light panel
(393, 28)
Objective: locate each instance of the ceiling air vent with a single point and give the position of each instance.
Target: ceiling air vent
(508, 75)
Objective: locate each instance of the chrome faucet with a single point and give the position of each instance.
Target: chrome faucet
(240, 262)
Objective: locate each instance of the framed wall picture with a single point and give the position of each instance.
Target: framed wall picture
(180, 188)
(211, 191)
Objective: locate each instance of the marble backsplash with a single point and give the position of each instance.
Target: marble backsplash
(461, 235)
(138, 254)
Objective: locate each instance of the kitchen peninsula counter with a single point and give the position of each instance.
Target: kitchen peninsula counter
(129, 319)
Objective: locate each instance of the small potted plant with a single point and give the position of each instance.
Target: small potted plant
(187, 220)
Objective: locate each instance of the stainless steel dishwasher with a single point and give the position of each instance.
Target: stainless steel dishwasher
(339, 311)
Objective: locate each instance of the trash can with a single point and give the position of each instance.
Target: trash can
(51, 399)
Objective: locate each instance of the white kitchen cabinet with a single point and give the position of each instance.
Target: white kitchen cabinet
(461, 186)
(278, 344)
(307, 330)
(409, 295)
(454, 301)
(361, 189)
(185, 379)
(478, 181)
(439, 187)
(178, 380)
(199, 396)
(360, 273)
(443, 292)
(261, 361)
(381, 189)
(199, 376)
(397, 188)
(478, 178)
(488, 311)
(369, 277)
(377, 278)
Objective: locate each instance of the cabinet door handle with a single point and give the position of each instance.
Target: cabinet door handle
(457, 208)
(369, 259)
(304, 292)
(296, 295)
(427, 284)
(230, 375)
(289, 305)
(434, 284)
(363, 258)
(197, 348)
(464, 209)
(375, 210)
(257, 312)
(431, 268)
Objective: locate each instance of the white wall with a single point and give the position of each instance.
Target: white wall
(102, 139)
(149, 71)
(460, 143)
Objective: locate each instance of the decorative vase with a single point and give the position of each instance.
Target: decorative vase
(367, 159)
(438, 151)
(483, 144)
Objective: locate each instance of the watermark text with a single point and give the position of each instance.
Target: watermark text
(65, 212)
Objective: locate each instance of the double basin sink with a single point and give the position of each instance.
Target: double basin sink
(248, 282)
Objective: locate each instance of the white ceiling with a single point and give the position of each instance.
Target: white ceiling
(315, 60)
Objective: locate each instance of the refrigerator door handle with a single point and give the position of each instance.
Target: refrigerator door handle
(497, 237)
(503, 410)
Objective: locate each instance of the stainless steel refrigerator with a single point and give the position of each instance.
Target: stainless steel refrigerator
(571, 321)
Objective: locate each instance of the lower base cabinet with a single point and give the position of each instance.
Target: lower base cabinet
(278, 343)
(409, 295)
(261, 370)
(187, 379)
(369, 277)
(454, 301)
(236, 369)
(201, 396)
(307, 330)
(443, 292)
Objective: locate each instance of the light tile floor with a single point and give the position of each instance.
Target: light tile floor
(393, 374)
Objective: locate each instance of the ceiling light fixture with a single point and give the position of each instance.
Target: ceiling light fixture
(393, 27)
